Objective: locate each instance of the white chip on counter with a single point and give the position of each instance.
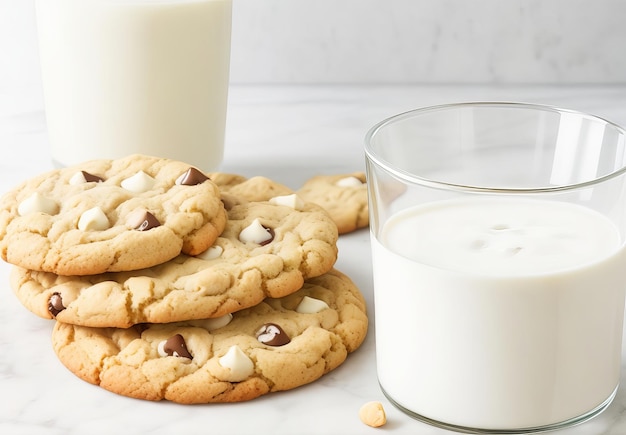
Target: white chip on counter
(310, 305)
(293, 201)
(37, 203)
(93, 219)
(373, 414)
(240, 365)
(138, 183)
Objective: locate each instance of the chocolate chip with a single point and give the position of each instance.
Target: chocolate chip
(147, 222)
(91, 178)
(55, 304)
(192, 177)
(176, 346)
(272, 335)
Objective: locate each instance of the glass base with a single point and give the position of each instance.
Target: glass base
(530, 430)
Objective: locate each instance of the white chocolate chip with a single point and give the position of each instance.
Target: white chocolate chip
(212, 324)
(161, 349)
(272, 334)
(212, 253)
(240, 365)
(38, 203)
(255, 233)
(180, 178)
(78, 178)
(349, 182)
(93, 219)
(311, 305)
(82, 177)
(267, 333)
(373, 414)
(138, 183)
(293, 201)
(135, 218)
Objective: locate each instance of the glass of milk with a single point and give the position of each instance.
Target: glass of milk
(135, 76)
(498, 234)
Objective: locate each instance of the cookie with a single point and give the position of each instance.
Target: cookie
(344, 196)
(257, 188)
(110, 215)
(265, 250)
(237, 188)
(279, 344)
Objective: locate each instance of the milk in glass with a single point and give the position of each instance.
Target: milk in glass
(499, 313)
(128, 76)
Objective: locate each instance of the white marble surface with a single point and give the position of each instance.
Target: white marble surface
(284, 132)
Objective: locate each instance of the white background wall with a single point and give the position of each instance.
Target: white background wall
(389, 42)
(408, 41)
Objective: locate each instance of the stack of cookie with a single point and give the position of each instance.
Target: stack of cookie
(169, 283)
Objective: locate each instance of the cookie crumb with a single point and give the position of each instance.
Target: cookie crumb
(373, 414)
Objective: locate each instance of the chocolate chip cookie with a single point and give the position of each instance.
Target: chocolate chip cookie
(277, 345)
(258, 188)
(110, 215)
(265, 250)
(344, 196)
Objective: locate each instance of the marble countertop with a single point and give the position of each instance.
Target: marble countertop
(288, 133)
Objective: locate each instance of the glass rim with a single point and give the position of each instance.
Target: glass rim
(373, 157)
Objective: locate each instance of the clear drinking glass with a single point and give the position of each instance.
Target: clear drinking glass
(498, 233)
(135, 76)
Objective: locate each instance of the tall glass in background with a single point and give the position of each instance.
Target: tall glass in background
(498, 233)
(135, 76)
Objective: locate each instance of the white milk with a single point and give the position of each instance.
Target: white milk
(125, 76)
(499, 314)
